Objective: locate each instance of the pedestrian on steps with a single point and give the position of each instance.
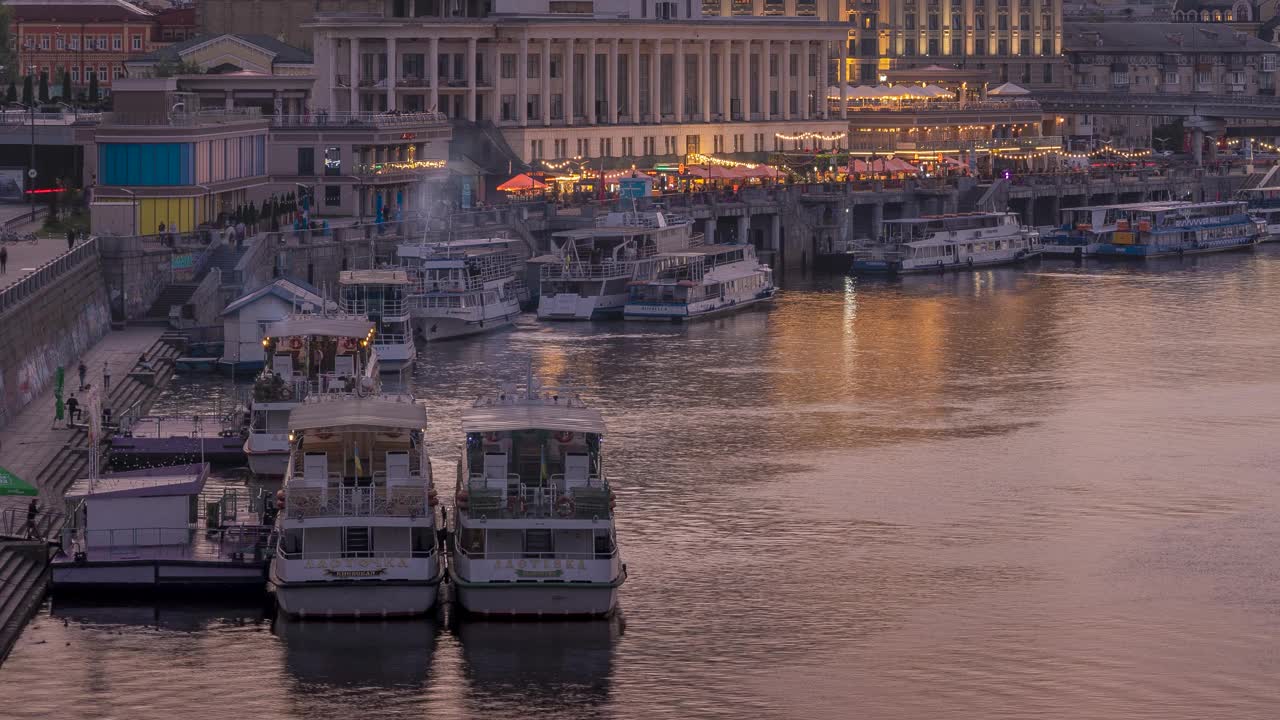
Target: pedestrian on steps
(73, 409)
(4, 259)
(83, 371)
(33, 510)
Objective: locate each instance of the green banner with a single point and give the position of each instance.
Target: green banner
(11, 484)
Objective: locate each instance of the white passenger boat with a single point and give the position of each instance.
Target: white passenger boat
(461, 288)
(534, 528)
(357, 527)
(1162, 229)
(1083, 230)
(702, 282)
(305, 354)
(1264, 205)
(585, 276)
(382, 297)
(948, 242)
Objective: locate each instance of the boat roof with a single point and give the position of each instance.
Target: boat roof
(351, 327)
(1121, 206)
(454, 248)
(373, 277)
(951, 216)
(496, 416)
(1269, 188)
(153, 482)
(370, 412)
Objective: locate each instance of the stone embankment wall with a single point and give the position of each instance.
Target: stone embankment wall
(52, 328)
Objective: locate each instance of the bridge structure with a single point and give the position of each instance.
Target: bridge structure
(1215, 115)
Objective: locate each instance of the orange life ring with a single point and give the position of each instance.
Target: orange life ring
(564, 436)
(295, 342)
(491, 437)
(515, 504)
(564, 506)
(280, 499)
(462, 499)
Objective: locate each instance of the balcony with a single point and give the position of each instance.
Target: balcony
(383, 498)
(197, 118)
(358, 120)
(398, 170)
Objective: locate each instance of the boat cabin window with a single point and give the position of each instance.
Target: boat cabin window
(535, 458)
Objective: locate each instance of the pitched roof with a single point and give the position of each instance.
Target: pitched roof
(283, 53)
(1160, 37)
(284, 288)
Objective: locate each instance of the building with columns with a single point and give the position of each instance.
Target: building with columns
(622, 81)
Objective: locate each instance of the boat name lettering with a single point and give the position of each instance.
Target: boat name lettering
(539, 565)
(356, 563)
(355, 573)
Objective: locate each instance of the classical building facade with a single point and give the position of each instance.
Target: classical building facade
(620, 80)
(282, 19)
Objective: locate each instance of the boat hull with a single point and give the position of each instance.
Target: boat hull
(433, 329)
(883, 267)
(1141, 252)
(541, 599)
(356, 599)
(566, 306)
(160, 575)
(270, 463)
(682, 313)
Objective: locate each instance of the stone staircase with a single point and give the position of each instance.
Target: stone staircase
(24, 569)
(172, 294)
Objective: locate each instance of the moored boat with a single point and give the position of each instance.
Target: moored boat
(938, 243)
(305, 354)
(1264, 205)
(534, 528)
(699, 283)
(357, 527)
(1163, 229)
(460, 289)
(382, 297)
(585, 276)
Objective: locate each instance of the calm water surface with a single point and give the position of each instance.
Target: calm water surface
(1045, 492)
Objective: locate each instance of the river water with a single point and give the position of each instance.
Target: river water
(1039, 492)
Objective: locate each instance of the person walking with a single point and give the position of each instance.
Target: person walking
(73, 409)
(71, 240)
(106, 378)
(4, 259)
(83, 372)
(33, 511)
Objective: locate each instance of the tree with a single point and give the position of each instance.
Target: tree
(28, 95)
(93, 87)
(44, 87)
(66, 85)
(11, 95)
(7, 58)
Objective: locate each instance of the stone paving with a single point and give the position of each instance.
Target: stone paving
(24, 257)
(31, 441)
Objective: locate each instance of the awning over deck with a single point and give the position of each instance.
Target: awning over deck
(320, 325)
(358, 412)
(559, 418)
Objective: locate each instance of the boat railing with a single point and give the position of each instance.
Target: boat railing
(362, 307)
(372, 554)
(167, 542)
(392, 339)
(383, 499)
(519, 500)
(473, 554)
(293, 390)
(588, 271)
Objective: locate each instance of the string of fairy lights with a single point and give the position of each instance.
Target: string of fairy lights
(821, 137)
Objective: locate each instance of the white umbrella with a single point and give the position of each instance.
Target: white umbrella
(884, 91)
(936, 91)
(1009, 89)
(861, 92)
(833, 92)
(918, 92)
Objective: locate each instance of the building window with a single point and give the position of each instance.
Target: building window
(75, 74)
(333, 160)
(1002, 46)
(534, 109)
(1048, 72)
(1024, 22)
(102, 42)
(957, 46)
(102, 72)
(909, 21)
(1046, 22)
(1268, 63)
(1046, 47)
(508, 107)
(59, 42)
(306, 161)
(979, 46)
(979, 22)
(75, 42)
(533, 65)
(555, 67)
(934, 21)
(332, 195)
(137, 42)
(1024, 46)
(1203, 78)
(1120, 79)
(933, 46)
(557, 106)
(1002, 22)
(957, 22)
(117, 72)
(508, 66)
(909, 47)
(116, 42)
(1171, 78)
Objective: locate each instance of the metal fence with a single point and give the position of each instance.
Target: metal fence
(21, 291)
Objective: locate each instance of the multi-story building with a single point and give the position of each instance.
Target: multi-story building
(1172, 59)
(157, 159)
(624, 81)
(283, 19)
(87, 38)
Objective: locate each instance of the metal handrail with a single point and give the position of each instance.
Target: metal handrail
(23, 289)
(163, 541)
(371, 554)
(538, 556)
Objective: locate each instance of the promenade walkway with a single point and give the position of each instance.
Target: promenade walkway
(25, 257)
(31, 441)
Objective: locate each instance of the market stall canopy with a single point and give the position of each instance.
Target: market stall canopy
(11, 484)
(936, 91)
(1008, 89)
(862, 92)
(916, 91)
(521, 183)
